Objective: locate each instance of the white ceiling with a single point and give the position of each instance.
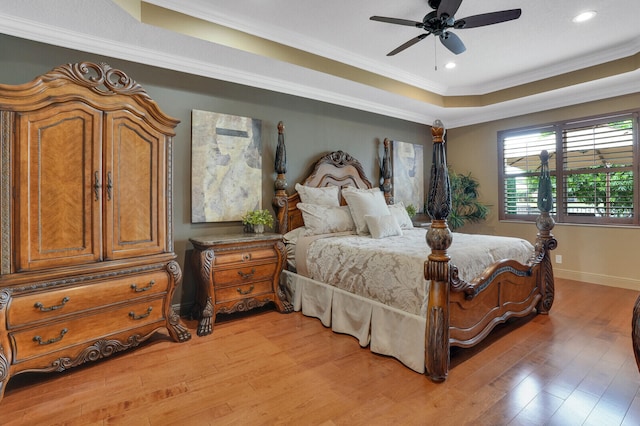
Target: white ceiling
(542, 44)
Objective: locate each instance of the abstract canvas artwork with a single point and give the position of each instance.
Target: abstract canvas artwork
(408, 174)
(226, 166)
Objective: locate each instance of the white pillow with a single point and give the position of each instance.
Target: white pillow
(383, 226)
(325, 196)
(399, 211)
(363, 202)
(319, 219)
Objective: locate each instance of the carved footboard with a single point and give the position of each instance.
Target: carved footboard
(463, 313)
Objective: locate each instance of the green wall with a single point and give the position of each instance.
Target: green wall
(312, 128)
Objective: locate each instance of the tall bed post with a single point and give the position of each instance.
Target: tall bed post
(437, 265)
(386, 172)
(545, 242)
(280, 200)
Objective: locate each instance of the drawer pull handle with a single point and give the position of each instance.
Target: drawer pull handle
(97, 186)
(246, 257)
(245, 292)
(141, 316)
(109, 185)
(138, 290)
(52, 340)
(246, 275)
(42, 308)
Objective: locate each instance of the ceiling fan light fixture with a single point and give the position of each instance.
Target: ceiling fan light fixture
(442, 18)
(450, 65)
(584, 16)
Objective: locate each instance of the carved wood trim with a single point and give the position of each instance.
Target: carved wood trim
(288, 217)
(6, 118)
(101, 78)
(100, 349)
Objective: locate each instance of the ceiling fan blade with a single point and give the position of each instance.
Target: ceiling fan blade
(397, 21)
(408, 44)
(448, 7)
(488, 18)
(452, 42)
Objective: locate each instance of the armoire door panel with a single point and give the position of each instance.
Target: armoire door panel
(135, 210)
(59, 202)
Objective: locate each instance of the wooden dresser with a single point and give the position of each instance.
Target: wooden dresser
(87, 267)
(236, 273)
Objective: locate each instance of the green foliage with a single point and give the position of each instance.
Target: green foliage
(411, 210)
(599, 190)
(258, 217)
(465, 206)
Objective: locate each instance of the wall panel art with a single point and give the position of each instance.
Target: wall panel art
(226, 166)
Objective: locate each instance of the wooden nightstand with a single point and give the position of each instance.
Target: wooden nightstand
(237, 272)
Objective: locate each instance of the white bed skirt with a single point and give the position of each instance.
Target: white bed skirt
(387, 331)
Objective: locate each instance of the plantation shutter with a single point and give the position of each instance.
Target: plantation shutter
(598, 169)
(521, 168)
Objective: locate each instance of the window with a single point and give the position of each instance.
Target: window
(593, 165)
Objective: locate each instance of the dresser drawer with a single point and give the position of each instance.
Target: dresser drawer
(243, 291)
(246, 255)
(51, 337)
(48, 305)
(244, 274)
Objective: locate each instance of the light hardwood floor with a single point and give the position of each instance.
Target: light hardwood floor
(573, 367)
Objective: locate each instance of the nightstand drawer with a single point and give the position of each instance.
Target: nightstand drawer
(259, 253)
(243, 291)
(59, 335)
(49, 305)
(246, 274)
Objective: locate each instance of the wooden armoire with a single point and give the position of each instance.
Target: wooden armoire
(87, 267)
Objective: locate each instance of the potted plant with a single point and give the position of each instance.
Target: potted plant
(256, 220)
(465, 206)
(411, 210)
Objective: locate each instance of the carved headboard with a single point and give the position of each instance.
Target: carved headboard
(337, 168)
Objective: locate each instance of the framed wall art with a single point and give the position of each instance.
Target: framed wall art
(408, 174)
(226, 166)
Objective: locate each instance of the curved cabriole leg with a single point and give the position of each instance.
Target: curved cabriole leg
(282, 304)
(177, 331)
(205, 297)
(5, 356)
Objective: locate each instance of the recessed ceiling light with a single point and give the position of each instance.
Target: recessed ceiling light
(450, 65)
(584, 16)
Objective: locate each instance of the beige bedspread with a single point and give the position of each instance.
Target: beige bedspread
(379, 298)
(391, 270)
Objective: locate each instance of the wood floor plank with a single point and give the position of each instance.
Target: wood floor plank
(574, 366)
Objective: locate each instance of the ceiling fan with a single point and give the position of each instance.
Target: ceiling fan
(442, 19)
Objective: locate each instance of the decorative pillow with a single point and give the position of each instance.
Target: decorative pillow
(326, 196)
(319, 219)
(363, 202)
(383, 226)
(399, 211)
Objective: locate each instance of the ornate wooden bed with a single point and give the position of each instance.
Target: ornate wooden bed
(459, 313)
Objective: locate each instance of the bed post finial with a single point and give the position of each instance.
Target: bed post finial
(545, 242)
(436, 267)
(280, 200)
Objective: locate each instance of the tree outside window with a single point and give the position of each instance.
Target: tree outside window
(593, 176)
